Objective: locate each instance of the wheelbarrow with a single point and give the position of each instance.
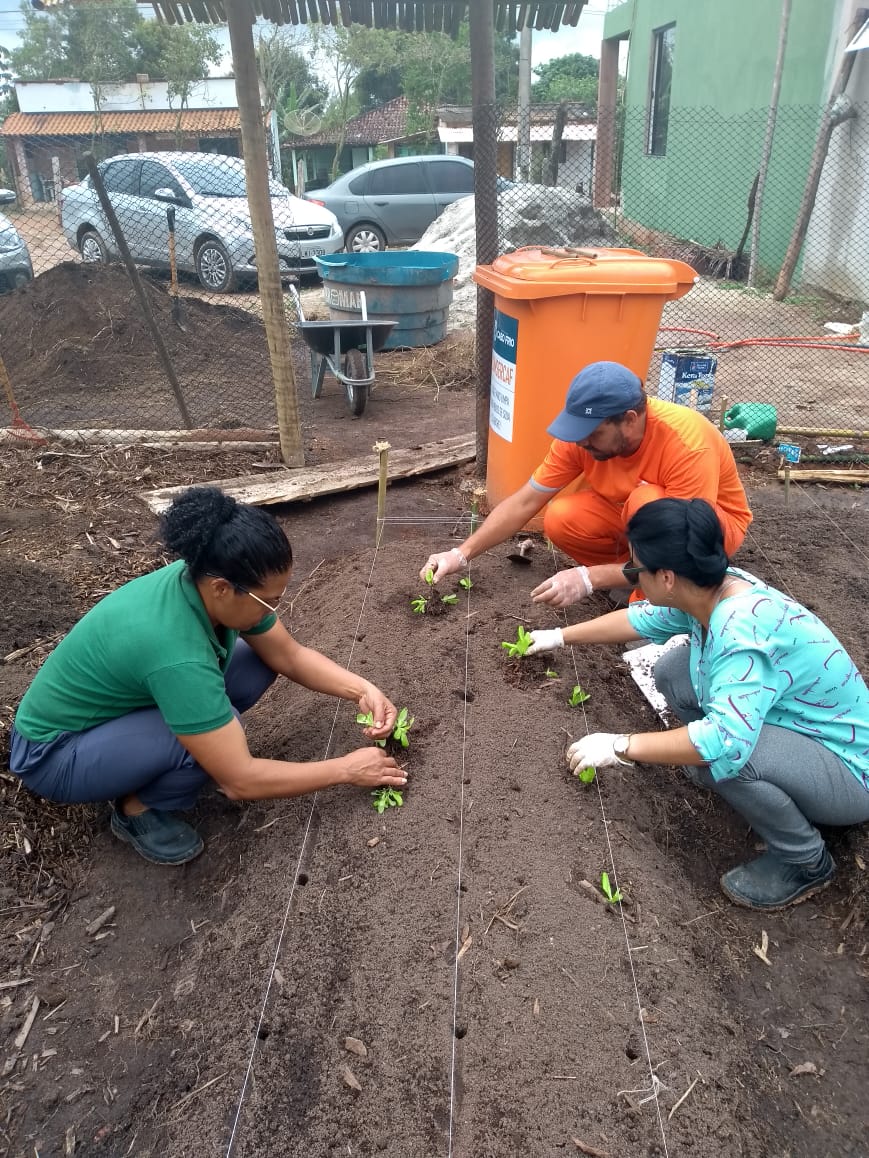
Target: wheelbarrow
(345, 349)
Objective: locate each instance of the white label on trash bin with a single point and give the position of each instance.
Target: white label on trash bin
(503, 386)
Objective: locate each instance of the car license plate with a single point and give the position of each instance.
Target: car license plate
(315, 250)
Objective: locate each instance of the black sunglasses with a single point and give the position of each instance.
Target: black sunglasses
(632, 573)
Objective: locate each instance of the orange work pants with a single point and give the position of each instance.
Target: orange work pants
(591, 529)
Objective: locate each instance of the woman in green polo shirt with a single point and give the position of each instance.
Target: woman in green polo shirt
(139, 704)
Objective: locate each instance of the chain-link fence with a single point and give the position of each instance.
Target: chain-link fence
(80, 353)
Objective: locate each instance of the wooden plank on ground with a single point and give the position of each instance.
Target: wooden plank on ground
(858, 475)
(311, 482)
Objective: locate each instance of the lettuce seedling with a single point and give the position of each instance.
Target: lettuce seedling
(612, 895)
(577, 696)
(518, 648)
(429, 577)
(586, 775)
(403, 724)
(550, 674)
(466, 582)
(418, 605)
(387, 798)
(449, 599)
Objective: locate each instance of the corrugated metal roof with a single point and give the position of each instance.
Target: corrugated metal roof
(143, 121)
(410, 15)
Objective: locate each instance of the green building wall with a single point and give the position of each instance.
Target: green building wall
(723, 67)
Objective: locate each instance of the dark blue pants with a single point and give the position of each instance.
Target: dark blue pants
(136, 753)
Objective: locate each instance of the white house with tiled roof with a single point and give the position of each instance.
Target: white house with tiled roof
(58, 122)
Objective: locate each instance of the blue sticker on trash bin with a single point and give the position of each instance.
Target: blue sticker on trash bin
(502, 396)
(789, 451)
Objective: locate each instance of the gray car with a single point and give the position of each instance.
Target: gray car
(213, 231)
(16, 268)
(394, 202)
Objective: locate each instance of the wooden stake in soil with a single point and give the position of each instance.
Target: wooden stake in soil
(382, 448)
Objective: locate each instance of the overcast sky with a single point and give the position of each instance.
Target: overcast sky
(585, 38)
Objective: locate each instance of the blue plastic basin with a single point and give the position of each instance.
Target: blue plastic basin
(414, 287)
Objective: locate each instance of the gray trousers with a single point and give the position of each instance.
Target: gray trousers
(135, 753)
(790, 783)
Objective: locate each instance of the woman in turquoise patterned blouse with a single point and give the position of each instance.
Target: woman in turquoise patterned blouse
(775, 714)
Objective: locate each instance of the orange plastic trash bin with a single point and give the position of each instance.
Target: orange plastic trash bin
(555, 312)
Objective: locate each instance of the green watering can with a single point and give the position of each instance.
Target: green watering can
(757, 418)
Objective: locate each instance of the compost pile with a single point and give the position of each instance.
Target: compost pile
(527, 215)
(82, 325)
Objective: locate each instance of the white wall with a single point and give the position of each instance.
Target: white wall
(836, 252)
(77, 97)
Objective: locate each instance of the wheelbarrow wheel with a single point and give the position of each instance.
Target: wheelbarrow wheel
(357, 391)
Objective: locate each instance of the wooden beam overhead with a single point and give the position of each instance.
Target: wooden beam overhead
(409, 15)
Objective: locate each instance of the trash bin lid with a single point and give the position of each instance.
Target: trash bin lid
(540, 272)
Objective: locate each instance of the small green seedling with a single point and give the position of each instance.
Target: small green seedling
(550, 674)
(466, 582)
(368, 719)
(521, 644)
(577, 696)
(387, 798)
(613, 896)
(429, 577)
(418, 605)
(449, 599)
(403, 724)
(586, 775)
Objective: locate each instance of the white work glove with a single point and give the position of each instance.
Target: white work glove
(595, 751)
(564, 588)
(546, 640)
(443, 564)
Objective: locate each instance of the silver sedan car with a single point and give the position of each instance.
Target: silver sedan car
(16, 268)
(213, 230)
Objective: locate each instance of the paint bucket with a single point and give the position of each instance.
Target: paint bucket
(688, 378)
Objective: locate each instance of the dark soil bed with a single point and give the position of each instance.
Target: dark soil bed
(502, 1007)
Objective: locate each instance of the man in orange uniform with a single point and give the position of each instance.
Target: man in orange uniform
(613, 450)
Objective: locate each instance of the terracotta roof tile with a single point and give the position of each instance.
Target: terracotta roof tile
(82, 124)
(388, 122)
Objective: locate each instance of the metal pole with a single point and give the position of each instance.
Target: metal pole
(123, 249)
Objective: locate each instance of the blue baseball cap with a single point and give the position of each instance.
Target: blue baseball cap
(600, 390)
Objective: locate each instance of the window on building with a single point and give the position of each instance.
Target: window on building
(663, 49)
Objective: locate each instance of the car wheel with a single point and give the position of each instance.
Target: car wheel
(365, 239)
(21, 279)
(92, 247)
(214, 268)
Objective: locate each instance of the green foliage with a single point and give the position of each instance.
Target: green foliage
(586, 775)
(613, 896)
(551, 674)
(466, 582)
(109, 43)
(418, 605)
(449, 599)
(403, 723)
(387, 798)
(578, 696)
(566, 78)
(429, 576)
(516, 649)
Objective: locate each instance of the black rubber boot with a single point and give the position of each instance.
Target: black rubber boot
(158, 836)
(770, 883)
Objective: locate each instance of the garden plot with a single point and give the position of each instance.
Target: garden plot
(502, 1006)
(215, 1006)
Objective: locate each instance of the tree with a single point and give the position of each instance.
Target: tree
(188, 50)
(41, 54)
(567, 78)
